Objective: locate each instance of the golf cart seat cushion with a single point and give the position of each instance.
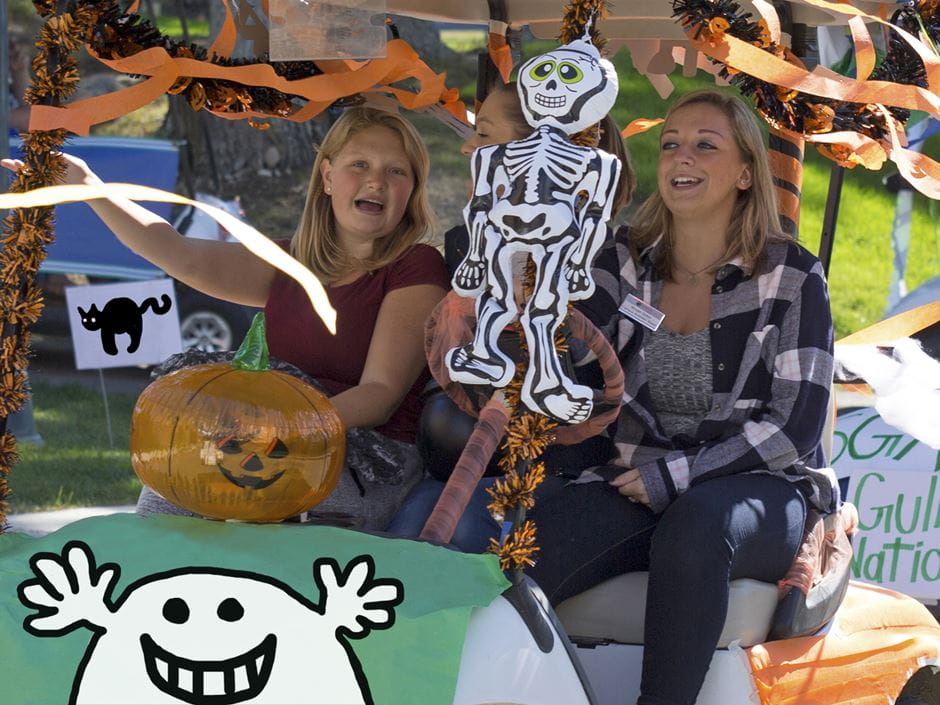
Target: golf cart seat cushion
(615, 611)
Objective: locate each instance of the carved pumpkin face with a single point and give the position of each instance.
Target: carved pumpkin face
(237, 444)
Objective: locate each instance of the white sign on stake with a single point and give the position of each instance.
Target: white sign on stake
(898, 542)
(123, 325)
(894, 481)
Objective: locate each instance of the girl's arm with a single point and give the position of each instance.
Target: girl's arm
(395, 359)
(225, 270)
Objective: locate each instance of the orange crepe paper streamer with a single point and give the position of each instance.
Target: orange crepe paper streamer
(931, 60)
(763, 65)
(769, 15)
(901, 325)
(254, 241)
(225, 41)
(321, 90)
(879, 637)
(864, 48)
(639, 126)
(922, 172)
(500, 55)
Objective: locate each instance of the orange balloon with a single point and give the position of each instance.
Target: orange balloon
(237, 444)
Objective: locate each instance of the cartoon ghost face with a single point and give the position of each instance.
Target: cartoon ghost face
(570, 88)
(204, 637)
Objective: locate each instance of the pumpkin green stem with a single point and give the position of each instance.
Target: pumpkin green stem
(252, 355)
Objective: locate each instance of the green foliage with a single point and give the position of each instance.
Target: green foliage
(172, 26)
(75, 467)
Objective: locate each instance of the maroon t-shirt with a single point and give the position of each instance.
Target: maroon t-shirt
(298, 336)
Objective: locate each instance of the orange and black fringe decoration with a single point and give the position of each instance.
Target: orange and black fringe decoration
(27, 232)
(528, 434)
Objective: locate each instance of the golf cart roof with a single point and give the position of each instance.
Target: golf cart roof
(627, 19)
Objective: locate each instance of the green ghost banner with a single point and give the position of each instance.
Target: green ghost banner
(128, 610)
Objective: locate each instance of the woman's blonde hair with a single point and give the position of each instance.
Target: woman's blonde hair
(316, 243)
(755, 220)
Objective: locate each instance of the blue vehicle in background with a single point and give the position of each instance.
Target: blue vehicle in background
(85, 250)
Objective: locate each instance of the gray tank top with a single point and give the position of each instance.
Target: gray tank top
(679, 369)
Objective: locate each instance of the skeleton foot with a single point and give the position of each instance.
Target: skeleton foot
(467, 368)
(561, 404)
(580, 285)
(469, 277)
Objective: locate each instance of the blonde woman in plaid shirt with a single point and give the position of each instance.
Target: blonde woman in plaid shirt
(718, 443)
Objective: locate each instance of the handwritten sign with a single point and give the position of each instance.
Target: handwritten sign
(864, 441)
(894, 481)
(898, 543)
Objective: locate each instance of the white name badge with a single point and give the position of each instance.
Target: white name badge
(641, 312)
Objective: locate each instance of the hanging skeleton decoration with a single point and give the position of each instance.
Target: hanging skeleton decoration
(549, 199)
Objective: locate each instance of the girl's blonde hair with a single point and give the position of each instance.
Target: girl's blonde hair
(755, 220)
(315, 242)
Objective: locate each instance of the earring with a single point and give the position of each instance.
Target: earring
(329, 190)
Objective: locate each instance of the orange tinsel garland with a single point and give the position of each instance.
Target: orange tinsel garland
(27, 232)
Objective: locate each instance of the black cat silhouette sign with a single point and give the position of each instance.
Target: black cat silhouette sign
(118, 325)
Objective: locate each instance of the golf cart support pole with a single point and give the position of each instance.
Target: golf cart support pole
(831, 215)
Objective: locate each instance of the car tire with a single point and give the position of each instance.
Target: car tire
(211, 325)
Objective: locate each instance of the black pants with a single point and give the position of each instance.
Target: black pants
(740, 526)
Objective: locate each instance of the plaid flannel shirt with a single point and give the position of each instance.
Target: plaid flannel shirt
(771, 340)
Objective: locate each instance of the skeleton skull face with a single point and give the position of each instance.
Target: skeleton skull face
(570, 88)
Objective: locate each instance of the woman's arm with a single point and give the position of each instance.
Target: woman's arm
(225, 270)
(395, 359)
(789, 426)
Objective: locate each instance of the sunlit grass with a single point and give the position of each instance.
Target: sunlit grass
(75, 466)
(464, 40)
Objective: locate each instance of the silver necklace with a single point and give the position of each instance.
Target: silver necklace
(692, 277)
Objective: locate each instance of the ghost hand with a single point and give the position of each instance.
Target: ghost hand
(69, 591)
(353, 599)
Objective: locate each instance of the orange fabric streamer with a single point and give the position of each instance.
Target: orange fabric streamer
(321, 90)
(901, 325)
(639, 126)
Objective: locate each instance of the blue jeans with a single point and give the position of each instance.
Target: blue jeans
(474, 530)
(738, 526)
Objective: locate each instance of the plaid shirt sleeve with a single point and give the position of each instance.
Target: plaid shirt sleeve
(784, 429)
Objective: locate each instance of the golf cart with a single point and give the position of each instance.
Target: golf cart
(838, 642)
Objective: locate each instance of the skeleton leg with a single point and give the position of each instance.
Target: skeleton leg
(547, 389)
(482, 362)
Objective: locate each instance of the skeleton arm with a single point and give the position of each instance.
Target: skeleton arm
(69, 591)
(352, 599)
(600, 183)
(470, 275)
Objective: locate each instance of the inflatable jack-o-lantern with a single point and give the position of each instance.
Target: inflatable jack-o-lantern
(237, 440)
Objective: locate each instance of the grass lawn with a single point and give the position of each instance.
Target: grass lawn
(75, 467)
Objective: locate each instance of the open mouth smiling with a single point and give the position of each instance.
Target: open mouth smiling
(225, 682)
(370, 206)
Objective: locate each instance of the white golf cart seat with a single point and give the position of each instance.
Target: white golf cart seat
(614, 610)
